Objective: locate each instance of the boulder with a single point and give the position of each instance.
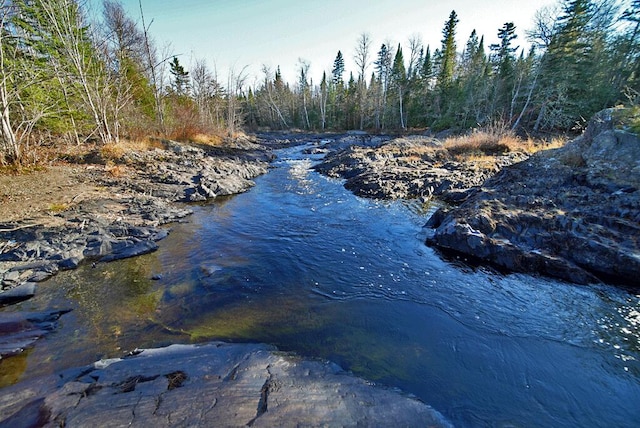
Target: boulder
(571, 213)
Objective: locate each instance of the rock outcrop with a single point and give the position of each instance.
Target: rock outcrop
(571, 213)
(410, 167)
(128, 223)
(216, 384)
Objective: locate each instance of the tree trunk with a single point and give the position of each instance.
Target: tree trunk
(10, 144)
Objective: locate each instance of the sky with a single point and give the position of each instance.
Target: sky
(234, 34)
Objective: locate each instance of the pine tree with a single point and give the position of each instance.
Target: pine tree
(383, 70)
(503, 63)
(426, 71)
(566, 76)
(503, 53)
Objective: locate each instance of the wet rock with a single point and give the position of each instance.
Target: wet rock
(571, 213)
(19, 330)
(17, 294)
(128, 224)
(130, 249)
(210, 385)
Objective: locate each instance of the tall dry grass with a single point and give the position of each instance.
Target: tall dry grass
(494, 140)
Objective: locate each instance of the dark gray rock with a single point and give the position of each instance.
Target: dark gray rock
(17, 294)
(126, 226)
(19, 330)
(571, 213)
(216, 384)
(130, 249)
(408, 168)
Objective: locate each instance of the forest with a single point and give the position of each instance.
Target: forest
(66, 79)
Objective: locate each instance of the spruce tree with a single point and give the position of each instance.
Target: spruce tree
(448, 51)
(180, 84)
(338, 69)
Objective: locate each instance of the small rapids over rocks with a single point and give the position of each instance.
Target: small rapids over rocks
(301, 263)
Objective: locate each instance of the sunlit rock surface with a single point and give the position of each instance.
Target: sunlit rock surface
(571, 213)
(217, 384)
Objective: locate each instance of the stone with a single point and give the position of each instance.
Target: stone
(578, 223)
(19, 330)
(409, 168)
(17, 294)
(212, 385)
(131, 249)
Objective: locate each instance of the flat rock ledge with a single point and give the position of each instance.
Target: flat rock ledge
(409, 167)
(571, 213)
(215, 384)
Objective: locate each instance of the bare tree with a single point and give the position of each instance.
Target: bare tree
(207, 93)
(361, 58)
(324, 96)
(152, 65)
(124, 51)
(269, 87)
(10, 146)
(303, 66)
(83, 67)
(415, 48)
(235, 84)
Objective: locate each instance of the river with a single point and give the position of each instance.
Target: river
(301, 263)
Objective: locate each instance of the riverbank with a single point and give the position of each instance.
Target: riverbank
(102, 208)
(103, 205)
(568, 212)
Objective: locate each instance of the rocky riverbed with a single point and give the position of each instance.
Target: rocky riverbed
(124, 220)
(120, 211)
(117, 211)
(411, 167)
(571, 212)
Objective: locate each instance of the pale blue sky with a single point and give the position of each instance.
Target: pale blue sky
(238, 33)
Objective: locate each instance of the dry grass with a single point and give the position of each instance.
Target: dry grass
(57, 207)
(493, 141)
(208, 139)
(115, 151)
(487, 143)
(115, 170)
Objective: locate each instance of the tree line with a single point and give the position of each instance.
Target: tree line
(64, 77)
(584, 56)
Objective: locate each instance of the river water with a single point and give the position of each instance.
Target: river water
(301, 263)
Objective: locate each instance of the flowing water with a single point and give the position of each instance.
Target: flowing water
(301, 263)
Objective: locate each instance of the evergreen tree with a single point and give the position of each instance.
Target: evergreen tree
(503, 53)
(503, 63)
(426, 71)
(448, 51)
(338, 69)
(383, 69)
(399, 84)
(180, 83)
(567, 72)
